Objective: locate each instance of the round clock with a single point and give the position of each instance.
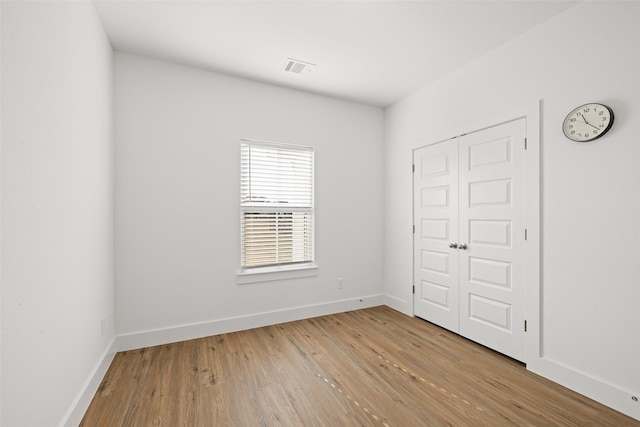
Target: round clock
(588, 122)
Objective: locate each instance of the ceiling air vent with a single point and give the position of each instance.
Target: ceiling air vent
(296, 66)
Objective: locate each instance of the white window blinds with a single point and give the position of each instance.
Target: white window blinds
(276, 204)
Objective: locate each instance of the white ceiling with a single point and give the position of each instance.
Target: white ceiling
(373, 52)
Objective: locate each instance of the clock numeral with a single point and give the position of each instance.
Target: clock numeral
(586, 110)
(604, 119)
(601, 113)
(570, 126)
(572, 120)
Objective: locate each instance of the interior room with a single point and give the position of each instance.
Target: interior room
(121, 131)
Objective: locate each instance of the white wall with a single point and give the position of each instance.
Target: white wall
(590, 205)
(0, 214)
(178, 133)
(57, 209)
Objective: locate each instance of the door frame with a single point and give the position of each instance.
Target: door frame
(532, 268)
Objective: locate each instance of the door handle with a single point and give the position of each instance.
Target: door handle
(453, 245)
(463, 246)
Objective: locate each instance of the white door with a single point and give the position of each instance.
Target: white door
(492, 225)
(481, 281)
(436, 227)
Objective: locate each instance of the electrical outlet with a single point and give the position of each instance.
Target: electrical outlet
(340, 283)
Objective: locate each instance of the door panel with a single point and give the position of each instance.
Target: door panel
(436, 221)
(437, 229)
(492, 223)
(490, 272)
(490, 193)
(435, 197)
(490, 232)
(490, 312)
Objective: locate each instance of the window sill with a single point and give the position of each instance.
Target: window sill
(268, 274)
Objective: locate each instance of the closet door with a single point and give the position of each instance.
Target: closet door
(469, 242)
(436, 232)
(492, 231)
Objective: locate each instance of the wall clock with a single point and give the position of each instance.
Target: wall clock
(588, 122)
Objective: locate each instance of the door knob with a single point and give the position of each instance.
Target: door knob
(453, 245)
(463, 246)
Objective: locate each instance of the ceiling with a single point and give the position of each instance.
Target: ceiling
(372, 52)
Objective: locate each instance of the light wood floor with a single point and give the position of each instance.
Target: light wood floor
(372, 367)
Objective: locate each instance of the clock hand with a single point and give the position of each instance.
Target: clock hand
(586, 122)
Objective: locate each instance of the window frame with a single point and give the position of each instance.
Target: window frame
(277, 270)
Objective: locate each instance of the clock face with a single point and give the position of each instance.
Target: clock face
(588, 122)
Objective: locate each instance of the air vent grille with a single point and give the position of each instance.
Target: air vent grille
(295, 66)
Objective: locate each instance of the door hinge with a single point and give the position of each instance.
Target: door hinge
(525, 326)
(525, 234)
(525, 143)
(413, 168)
(413, 289)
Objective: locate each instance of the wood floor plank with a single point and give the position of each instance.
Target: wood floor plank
(372, 367)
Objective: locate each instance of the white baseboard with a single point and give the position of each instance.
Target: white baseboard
(399, 304)
(593, 388)
(79, 406)
(234, 324)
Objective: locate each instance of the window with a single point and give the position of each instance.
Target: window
(276, 203)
